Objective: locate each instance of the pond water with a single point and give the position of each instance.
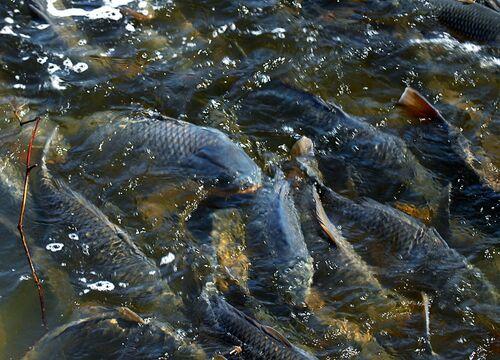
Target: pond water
(224, 64)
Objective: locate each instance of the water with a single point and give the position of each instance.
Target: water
(199, 61)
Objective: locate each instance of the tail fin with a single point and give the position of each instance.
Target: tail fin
(39, 9)
(418, 105)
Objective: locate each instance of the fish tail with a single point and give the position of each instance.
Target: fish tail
(39, 9)
(417, 105)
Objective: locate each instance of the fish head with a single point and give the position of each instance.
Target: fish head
(304, 159)
(227, 167)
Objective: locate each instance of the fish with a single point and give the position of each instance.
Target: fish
(349, 283)
(163, 146)
(99, 255)
(405, 250)
(470, 19)
(406, 257)
(275, 244)
(353, 155)
(257, 341)
(441, 147)
(493, 4)
(65, 32)
(118, 333)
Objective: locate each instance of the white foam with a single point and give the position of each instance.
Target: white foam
(130, 27)
(448, 42)
(107, 11)
(73, 236)
(54, 247)
(52, 68)
(167, 259)
(56, 82)
(102, 286)
(80, 67)
(7, 30)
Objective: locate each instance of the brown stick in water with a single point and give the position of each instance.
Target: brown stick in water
(20, 224)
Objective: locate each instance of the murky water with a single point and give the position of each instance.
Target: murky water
(222, 64)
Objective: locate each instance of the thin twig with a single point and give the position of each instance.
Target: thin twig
(20, 224)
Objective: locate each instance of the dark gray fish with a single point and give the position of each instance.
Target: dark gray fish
(473, 20)
(494, 4)
(256, 340)
(351, 152)
(415, 260)
(164, 146)
(342, 273)
(399, 244)
(117, 333)
(443, 148)
(99, 255)
(276, 246)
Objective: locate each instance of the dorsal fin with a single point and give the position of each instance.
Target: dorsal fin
(418, 105)
(325, 223)
(276, 335)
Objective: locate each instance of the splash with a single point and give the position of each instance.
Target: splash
(102, 286)
(107, 11)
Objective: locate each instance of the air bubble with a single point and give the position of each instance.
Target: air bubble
(102, 286)
(54, 247)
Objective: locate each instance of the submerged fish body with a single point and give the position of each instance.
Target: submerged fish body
(256, 340)
(351, 285)
(170, 147)
(405, 249)
(473, 20)
(394, 243)
(442, 148)
(99, 254)
(119, 333)
(276, 246)
(350, 150)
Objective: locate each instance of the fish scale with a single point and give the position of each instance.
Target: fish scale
(474, 20)
(403, 232)
(94, 245)
(276, 245)
(257, 341)
(173, 147)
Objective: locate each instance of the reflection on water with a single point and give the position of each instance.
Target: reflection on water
(243, 68)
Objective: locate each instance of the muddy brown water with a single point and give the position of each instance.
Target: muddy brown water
(200, 61)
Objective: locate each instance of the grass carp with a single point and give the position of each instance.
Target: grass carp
(100, 255)
(471, 19)
(276, 246)
(351, 152)
(116, 333)
(441, 147)
(256, 341)
(162, 146)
